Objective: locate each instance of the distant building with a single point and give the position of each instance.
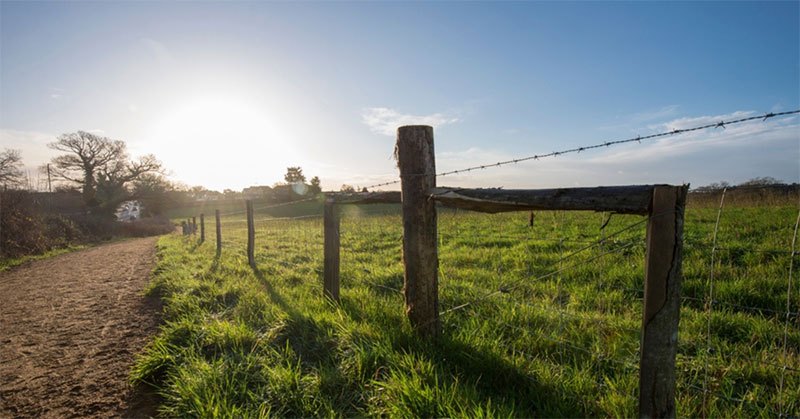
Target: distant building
(257, 192)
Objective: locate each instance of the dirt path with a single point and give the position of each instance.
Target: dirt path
(70, 327)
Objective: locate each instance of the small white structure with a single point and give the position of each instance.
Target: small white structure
(129, 211)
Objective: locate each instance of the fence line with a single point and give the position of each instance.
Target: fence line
(664, 206)
(615, 245)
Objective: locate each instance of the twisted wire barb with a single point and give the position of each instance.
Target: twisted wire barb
(638, 139)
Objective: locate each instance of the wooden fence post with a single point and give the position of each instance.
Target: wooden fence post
(331, 227)
(219, 231)
(251, 235)
(202, 228)
(194, 225)
(420, 254)
(662, 303)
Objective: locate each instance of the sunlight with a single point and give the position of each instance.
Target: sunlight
(202, 133)
(207, 121)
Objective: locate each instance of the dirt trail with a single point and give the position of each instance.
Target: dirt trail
(70, 327)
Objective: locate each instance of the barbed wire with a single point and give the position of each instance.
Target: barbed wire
(737, 306)
(631, 365)
(707, 392)
(788, 313)
(709, 298)
(638, 139)
(282, 204)
(506, 289)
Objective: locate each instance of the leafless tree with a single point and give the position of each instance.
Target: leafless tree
(100, 166)
(10, 168)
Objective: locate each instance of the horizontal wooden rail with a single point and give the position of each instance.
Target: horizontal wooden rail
(620, 199)
(634, 199)
(391, 197)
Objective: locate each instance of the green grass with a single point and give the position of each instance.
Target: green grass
(238, 342)
(6, 264)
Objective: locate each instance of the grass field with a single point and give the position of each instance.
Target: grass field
(560, 339)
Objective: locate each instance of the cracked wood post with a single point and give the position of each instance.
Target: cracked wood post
(662, 303)
(251, 235)
(417, 165)
(219, 231)
(202, 227)
(331, 271)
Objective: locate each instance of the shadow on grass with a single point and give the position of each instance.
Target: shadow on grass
(488, 373)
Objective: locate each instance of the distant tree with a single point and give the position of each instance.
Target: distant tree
(315, 188)
(364, 190)
(100, 167)
(10, 168)
(347, 188)
(231, 194)
(761, 181)
(153, 191)
(713, 187)
(294, 175)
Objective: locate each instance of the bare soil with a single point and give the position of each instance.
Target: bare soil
(70, 328)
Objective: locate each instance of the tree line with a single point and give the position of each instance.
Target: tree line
(101, 170)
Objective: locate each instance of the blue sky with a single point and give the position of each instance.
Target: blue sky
(230, 94)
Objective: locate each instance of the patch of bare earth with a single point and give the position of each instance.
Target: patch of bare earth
(70, 328)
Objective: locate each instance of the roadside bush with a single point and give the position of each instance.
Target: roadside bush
(29, 226)
(21, 227)
(145, 227)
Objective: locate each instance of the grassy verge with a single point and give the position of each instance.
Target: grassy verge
(239, 342)
(6, 264)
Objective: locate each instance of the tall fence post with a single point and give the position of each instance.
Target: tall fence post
(194, 225)
(417, 165)
(331, 271)
(202, 228)
(219, 231)
(251, 235)
(662, 302)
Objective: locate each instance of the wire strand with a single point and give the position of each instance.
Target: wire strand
(638, 139)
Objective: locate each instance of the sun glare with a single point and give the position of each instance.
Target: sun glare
(219, 133)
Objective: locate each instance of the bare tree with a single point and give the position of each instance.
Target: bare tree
(99, 166)
(761, 181)
(10, 167)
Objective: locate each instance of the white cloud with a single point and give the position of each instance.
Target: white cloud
(159, 51)
(705, 141)
(636, 120)
(56, 93)
(32, 145)
(665, 112)
(386, 120)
